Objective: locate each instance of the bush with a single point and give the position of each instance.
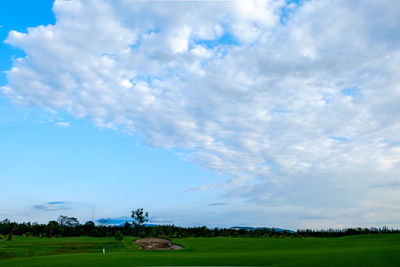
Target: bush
(118, 236)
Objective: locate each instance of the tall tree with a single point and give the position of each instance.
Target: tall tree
(139, 218)
(67, 221)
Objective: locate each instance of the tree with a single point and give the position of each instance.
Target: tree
(67, 221)
(118, 236)
(73, 222)
(52, 226)
(88, 227)
(139, 218)
(105, 223)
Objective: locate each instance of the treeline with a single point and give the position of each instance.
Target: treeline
(345, 232)
(69, 227)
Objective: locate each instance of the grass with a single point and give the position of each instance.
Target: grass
(365, 250)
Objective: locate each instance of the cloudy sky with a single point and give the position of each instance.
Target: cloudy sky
(218, 113)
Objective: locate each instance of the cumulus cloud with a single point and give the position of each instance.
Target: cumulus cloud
(301, 114)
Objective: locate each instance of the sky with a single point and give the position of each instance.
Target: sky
(219, 113)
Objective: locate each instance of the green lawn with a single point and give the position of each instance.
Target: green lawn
(365, 250)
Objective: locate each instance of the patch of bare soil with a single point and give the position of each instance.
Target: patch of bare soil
(157, 244)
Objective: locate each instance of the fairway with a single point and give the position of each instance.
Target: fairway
(364, 250)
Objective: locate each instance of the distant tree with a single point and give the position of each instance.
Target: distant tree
(5, 221)
(88, 227)
(73, 222)
(62, 220)
(13, 227)
(139, 218)
(105, 223)
(52, 226)
(126, 230)
(67, 221)
(118, 236)
(89, 224)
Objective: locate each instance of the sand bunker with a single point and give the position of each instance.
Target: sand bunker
(157, 244)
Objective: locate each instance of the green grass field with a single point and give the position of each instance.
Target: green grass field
(365, 250)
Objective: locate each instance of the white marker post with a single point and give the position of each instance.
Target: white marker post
(104, 250)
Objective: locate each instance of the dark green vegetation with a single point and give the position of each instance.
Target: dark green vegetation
(69, 226)
(360, 250)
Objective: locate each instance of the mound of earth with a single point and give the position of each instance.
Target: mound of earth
(157, 244)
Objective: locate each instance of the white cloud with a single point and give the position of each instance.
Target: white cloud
(63, 124)
(263, 109)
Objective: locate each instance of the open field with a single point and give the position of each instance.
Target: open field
(363, 250)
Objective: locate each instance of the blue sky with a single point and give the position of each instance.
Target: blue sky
(86, 168)
(18, 15)
(198, 112)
